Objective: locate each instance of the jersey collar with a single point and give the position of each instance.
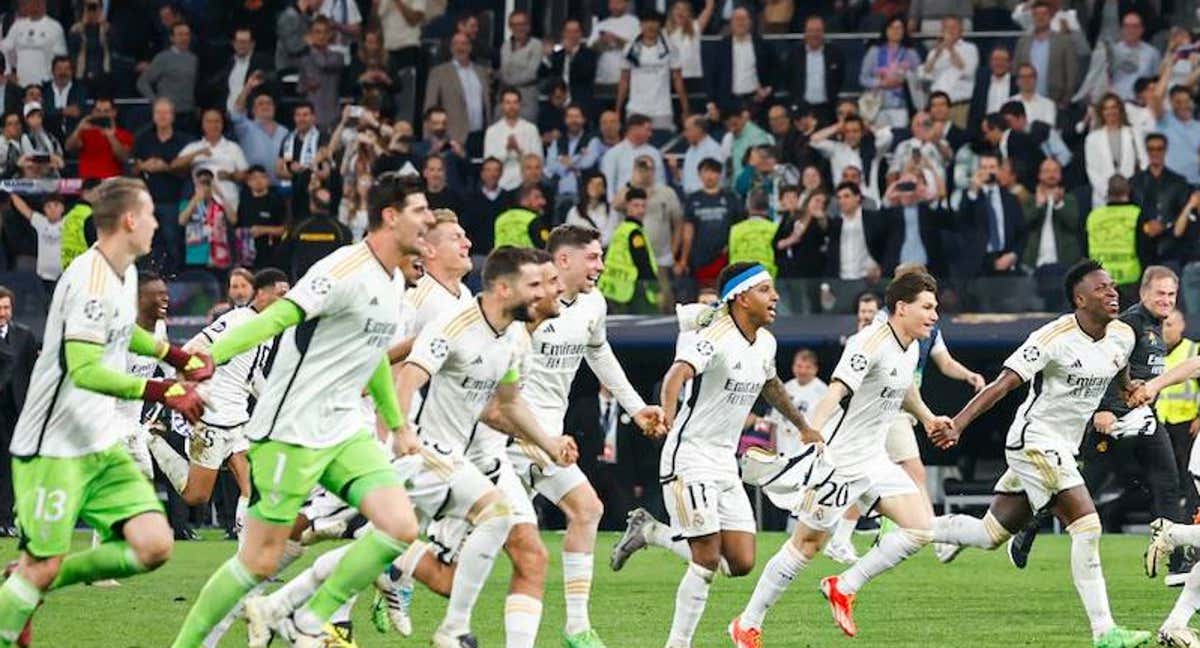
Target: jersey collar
(897, 337)
(479, 305)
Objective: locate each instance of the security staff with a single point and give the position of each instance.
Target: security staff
(630, 278)
(1177, 405)
(523, 226)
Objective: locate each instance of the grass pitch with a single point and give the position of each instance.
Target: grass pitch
(979, 601)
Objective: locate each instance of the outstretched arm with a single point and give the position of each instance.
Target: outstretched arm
(277, 318)
(996, 390)
(776, 396)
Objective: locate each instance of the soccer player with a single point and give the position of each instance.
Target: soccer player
(307, 429)
(69, 462)
(1070, 362)
(873, 380)
(731, 361)
(152, 304)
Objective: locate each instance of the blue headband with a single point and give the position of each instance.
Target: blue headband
(743, 281)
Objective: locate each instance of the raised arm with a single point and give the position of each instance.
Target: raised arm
(277, 318)
(996, 390)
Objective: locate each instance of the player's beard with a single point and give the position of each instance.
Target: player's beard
(523, 312)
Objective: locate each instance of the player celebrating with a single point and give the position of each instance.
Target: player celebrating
(69, 462)
(876, 376)
(1070, 362)
(152, 303)
(337, 323)
(730, 361)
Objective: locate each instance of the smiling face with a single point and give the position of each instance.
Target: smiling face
(759, 303)
(580, 266)
(240, 289)
(917, 318)
(448, 247)
(522, 290)
(1097, 296)
(1159, 296)
(549, 306)
(153, 300)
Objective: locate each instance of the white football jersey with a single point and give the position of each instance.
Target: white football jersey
(805, 398)
(142, 367)
(351, 304)
(1068, 373)
(556, 348)
(93, 304)
(878, 371)
(234, 383)
(430, 298)
(466, 359)
(730, 374)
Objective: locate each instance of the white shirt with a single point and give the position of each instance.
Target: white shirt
(61, 94)
(226, 156)
(707, 148)
(495, 144)
(236, 81)
(1069, 372)
(650, 79)
(1038, 108)
(91, 304)
(805, 398)
(957, 83)
(730, 374)
(398, 33)
(839, 153)
(1131, 63)
(745, 74)
(617, 165)
(428, 299)
(1047, 244)
(999, 90)
(49, 246)
(472, 90)
(879, 372)
(1141, 119)
(608, 65)
(814, 76)
(31, 45)
(855, 259)
(689, 51)
(352, 311)
(233, 383)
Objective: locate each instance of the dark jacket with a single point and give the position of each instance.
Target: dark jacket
(1146, 359)
(1026, 157)
(883, 242)
(972, 230)
(17, 354)
(797, 71)
(804, 258)
(720, 79)
(55, 121)
(978, 109)
(1068, 230)
(582, 80)
(216, 87)
(931, 224)
(1161, 198)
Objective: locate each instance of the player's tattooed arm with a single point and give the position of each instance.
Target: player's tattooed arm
(777, 397)
(993, 393)
(672, 384)
(524, 424)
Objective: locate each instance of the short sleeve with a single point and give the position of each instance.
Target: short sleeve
(939, 342)
(625, 64)
(1031, 357)
(855, 362)
(317, 293)
(430, 350)
(39, 222)
(86, 314)
(698, 352)
(673, 58)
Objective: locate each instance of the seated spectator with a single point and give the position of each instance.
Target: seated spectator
(1113, 236)
(617, 163)
(1052, 56)
(102, 146)
(921, 223)
(649, 73)
(991, 224)
(437, 192)
(551, 114)
(213, 152)
(511, 138)
(631, 279)
(259, 135)
(352, 211)
(321, 73)
(48, 223)
(610, 38)
(662, 217)
(950, 67)
(815, 71)
(742, 71)
(800, 242)
(1038, 108)
(741, 135)
(1181, 128)
(751, 238)
(62, 98)
(1111, 148)
(172, 72)
(154, 150)
(859, 240)
(32, 41)
(227, 84)
(41, 152)
(520, 57)
(523, 224)
(1161, 193)
(886, 67)
(592, 208)
(701, 146)
(995, 85)
(89, 49)
(939, 111)
(708, 214)
(291, 29)
(206, 221)
(570, 155)
(1053, 225)
(573, 62)
(483, 205)
(301, 154)
(683, 33)
(1131, 58)
(263, 211)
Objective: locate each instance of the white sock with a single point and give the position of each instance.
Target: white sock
(845, 527)
(577, 585)
(690, 599)
(297, 591)
(342, 614)
(1086, 572)
(407, 563)
(968, 531)
(891, 551)
(291, 552)
(475, 561)
(171, 463)
(776, 576)
(522, 615)
(661, 535)
(1185, 535)
(239, 515)
(1188, 601)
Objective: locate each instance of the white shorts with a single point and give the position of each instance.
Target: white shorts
(1038, 473)
(440, 482)
(540, 474)
(700, 508)
(327, 507)
(826, 493)
(136, 444)
(447, 534)
(209, 446)
(901, 440)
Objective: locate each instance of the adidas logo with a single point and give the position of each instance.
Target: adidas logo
(374, 301)
(893, 373)
(477, 360)
(1077, 364)
(549, 328)
(737, 366)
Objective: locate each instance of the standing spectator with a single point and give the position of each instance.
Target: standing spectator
(89, 48)
(593, 210)
(41, 151)
(352, 210)
(483, 205)
(800, 240)
(463, 89)
(481, 50)
(630, 281)
(172, 73)
(991, 224)
(1061, 21)
(102, 146)
(925, 145)
(742, 67)
(48, 223)
(400, 21)
(259, 135)
(32, 42)
(1005, 132)
(1052, 56)
(62, 99)
(662, 217)
(574, 63)
(649, 71)
(995, 85)
(1177, 405)
(794, 147)
(552, 113)
(885, 69)
(709, 212)
(522, 225)
(950, 67)
(245, 66)
(751, 239)
(262, 211)
(920, 237)
(316, 235)
(1162, 194)
(1038, 108)
(609, 135)
(291, 31)
(610, 38)
(224, 158)
(155, 149)
(805, 390)
(701, 147)
(925, 16)
(370, 81)
(816, 71)
(741, 135)
(11, 94)
(436, 140)
(1131, 57)
(683, 33)
(511, 138)
(520, 57)
(206, 222)
(1111, 148)
(320, 73)
(437, 192)
(569, 155)
(532, 175)
(344, 19)
(1053, 225)
(859, 239)
(852, 150)
(18, 350)
(1112, 234)
(1180, 127)
(617, 163)
(301, 155)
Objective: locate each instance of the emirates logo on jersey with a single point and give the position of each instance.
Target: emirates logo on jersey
(858, 362)
(1031, 354)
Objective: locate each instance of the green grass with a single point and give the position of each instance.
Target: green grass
(977, 602)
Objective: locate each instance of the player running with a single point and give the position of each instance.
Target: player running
(1069, 362)
(69, 461)
(873, 380)
(307, 429)
(152, 304)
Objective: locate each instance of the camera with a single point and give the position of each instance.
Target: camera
(101, 122)
(906, 186)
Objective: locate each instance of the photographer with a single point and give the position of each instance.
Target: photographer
(102, 146)
(437, 141)
(41, 152)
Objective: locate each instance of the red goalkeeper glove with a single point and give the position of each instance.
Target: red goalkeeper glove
(194, 367)
(179, 396)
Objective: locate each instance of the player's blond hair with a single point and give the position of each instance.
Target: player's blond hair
(116, 197)
(443, 216)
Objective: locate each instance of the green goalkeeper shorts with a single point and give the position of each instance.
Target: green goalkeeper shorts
(103, 489)
(283, 474)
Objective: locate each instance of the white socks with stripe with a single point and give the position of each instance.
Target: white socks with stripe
(475, 562)
(1086, 572)
(845, 527)
(781, 569)
(1187, 603)
(577, 587)
(690, 600)
(891, 551)
(662, 536)
(522, 615)
(968, 531)
(1184, 535)
(171, 463)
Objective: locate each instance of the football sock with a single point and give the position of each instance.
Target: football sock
(522, 615)
(172, 464)
(1188, 601)
(577, 586)
(475, 561)
(1086, 572)
(891, 550)
(110, 560)
(661, 535)
(1184, 535)
(18, 599)
(342, 615)
(843, 531)
(968, 531)
(221, 593)
(776, 576)
(407, 563)
(291, 552)
(296, 591)
(239, 515)
(365, 559)
(690, 599)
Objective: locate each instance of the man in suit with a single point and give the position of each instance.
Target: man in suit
(1004, 131)
(463, 89)
(993, 86)
(18, 350)
(62, 98)
(921, 225)
(991, 225)
(223, 87)
(863, 245)
(815, 71)
(741, 65)
(1052, 55)
(573, 62)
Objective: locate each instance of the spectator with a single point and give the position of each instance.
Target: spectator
(649, 71)
(569, 155)
(552, 113)
(102, 146)
(925, 144)
(291, 29)
(400, 22)
(1131, 58)
(32, 42)
(481, 51)
(991, 224)
(79, 232)
(523, 225)
(172, 73)
(939, 113)
(463, 89)
(1061, 21)
(1149, 104)
(708, 214)
(244, 67)
(511, 138)
(344, 19)
(610, 38)
(301, 154)
(662, 217)
(885, 69)
(816, 71)
(1052, 55)
(751, 238)
(630, 281)
(399, 156)
(853, 149)
(1005, 132)
(1053, 226)
(617, 163)
(222, 157)
(206, 222)
(1161, 194)
(41, 152)
(793, 143)
(154, 150)
(573, 62)
(920, 240)
(857, 239)
(1186, 232)
(62, 99)
(316, 235)
(592, 209)
(262, 211)
(741, 135)
(804, 390)
(437, 192)
(700, 147)
(1038, 108)
(742, 67)
(532, 174)
(683, 34)
(483, 205)
(352, 211)
(609, 135)
(436, 140)
(372, 81)
(1111, 148)
(1112, 234)
(240, 289)
(89, 48)
(320, 73)
(800, 241)
(811, 183)
(19, 351)
(1180, 127)
(260, 136)
(950, 67)
(520, 57)
(926, 16)
(995, 85)
(762, 172)
(48, 223)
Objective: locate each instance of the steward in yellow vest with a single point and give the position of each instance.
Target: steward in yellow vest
(522, 226)
(1112, 233)
(752, 239)
(630, 278)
